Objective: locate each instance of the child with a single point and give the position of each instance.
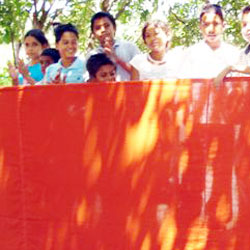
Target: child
(154, 65)
(101, 68)
(245, 30)
(103, 27)
(209, 57)
(243, 64)
(69, 69)
(34, 43)
(48, 57)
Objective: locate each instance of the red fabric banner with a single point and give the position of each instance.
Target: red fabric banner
(132, 166)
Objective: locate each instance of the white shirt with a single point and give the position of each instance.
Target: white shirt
(203, 62)
(149, 71)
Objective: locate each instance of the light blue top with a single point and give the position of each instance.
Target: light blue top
(75, 73)
(35, 71)
(125, 51)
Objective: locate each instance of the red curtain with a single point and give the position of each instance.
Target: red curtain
(131, 165)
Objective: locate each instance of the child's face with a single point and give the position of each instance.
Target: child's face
(45, 61)
(103, 29)
(245, 27)
(106, 73)
(33, 47)
(212, 27)
(67, 45)
(156, 38)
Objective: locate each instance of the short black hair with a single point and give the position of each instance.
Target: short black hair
(102, 14)
(53, 53)
(245, 10)
(38, 35)
(95, 62)
(217, 9)
(61, 28)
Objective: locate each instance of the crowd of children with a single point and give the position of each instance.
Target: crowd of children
(118, 60)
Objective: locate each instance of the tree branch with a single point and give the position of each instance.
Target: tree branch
(177, 18)
(122, 9)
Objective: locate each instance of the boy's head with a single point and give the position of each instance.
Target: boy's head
(48, 56)
(103, 26)
(245, 23)
(101, 68)
(66, 40)
(212, 24)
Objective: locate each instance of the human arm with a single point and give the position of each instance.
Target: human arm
(244, 69)
(110, 51)
(13, 72)
(23, 69)
(218, 80)
(134, 74)
(59, 78)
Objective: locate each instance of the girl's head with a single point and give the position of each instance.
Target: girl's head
(245, 23)
(34, 43)
(156, 35)
(101, 68)
(66, 40)
(48, 56)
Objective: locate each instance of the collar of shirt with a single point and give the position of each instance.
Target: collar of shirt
(72, 66)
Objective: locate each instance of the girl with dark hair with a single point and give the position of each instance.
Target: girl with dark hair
(154, 65)
(34, 43)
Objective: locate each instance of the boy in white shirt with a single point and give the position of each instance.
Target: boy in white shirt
(212, 55)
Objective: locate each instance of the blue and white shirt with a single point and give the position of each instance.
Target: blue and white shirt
(75, 73)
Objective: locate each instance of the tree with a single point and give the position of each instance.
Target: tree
(13, 17)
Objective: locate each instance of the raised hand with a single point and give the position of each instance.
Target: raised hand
(108, 47)
(13, 73)
(23, 68)
(58, 78)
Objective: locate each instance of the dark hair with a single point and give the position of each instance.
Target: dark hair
(245, 10)
(158, 24)
(102, 14)
(95, 62)
(53, 53)
(61, 28)
(38, 35)
(212, 8)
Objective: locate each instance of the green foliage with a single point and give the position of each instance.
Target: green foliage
(13, 17)
(5, 79)
(80, 14)
(184, 20)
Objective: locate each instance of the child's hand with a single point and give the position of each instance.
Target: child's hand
(12, 70)
(13, 73)
(23, 69)
(108, 47)
(58, 79)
